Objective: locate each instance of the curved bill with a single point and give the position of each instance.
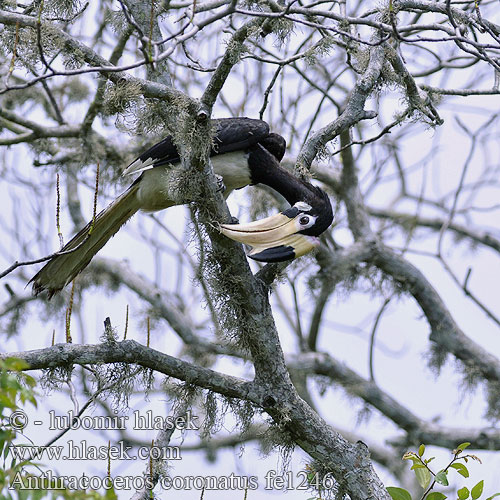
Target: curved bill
(273, 239)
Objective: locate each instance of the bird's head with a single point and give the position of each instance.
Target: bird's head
(289, 234)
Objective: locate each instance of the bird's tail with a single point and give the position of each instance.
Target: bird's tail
(61, 269)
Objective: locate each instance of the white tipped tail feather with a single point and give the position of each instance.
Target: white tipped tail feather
(61, 269)
(139, 166)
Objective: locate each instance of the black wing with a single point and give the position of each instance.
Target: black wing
(233, 134)
(238, 134)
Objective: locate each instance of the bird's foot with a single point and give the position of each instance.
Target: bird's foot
(221, 187)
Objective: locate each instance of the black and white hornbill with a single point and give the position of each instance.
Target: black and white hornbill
(244, 152)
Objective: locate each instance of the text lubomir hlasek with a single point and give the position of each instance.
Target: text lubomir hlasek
(146, 421)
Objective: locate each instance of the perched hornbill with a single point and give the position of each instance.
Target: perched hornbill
(244, 152)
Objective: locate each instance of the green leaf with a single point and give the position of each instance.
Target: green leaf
(421, 450)
(477, 491)
(421, 472)
(462, 446)
(15, 364)
(493, 496)
(441, 478)
(436, 495)
(38, 494)
(110, 494)
(463, 493)
(398, 493)
(461, 469)
(410, 455)
(29, 380)
(423, 477)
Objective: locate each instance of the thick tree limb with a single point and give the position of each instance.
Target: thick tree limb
(130, 351)
(408, 220)
(444, 331)
(353, 113)
(417, 430)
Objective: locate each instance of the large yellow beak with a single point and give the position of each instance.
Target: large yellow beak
(273, 239)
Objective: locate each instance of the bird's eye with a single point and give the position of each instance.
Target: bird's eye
(304, 220)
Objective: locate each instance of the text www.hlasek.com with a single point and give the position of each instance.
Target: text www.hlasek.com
(83, 451)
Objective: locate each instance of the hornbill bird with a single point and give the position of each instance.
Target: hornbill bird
(243, 152)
